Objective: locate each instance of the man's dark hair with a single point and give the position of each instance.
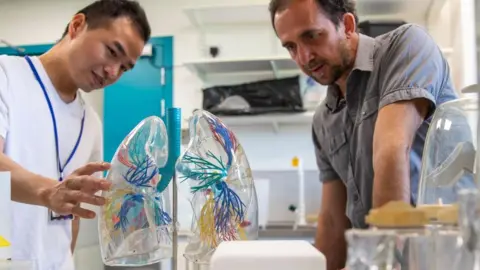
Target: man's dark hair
(334, 9)
(102, 12)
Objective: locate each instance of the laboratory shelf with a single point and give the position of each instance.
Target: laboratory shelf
(205, 16)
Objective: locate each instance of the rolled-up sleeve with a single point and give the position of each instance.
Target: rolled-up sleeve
(413, 67)
(327, 173)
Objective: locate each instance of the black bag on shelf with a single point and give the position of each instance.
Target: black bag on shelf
(377, 28)
(267, 96)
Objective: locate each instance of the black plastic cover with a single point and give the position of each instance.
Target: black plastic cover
(267, 96)
(377, 28)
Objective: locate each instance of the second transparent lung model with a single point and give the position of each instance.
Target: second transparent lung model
(215, 171)
(135, 223)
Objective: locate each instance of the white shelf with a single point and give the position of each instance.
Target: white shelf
(475, 88)
(275, 65)
(275, 120)
(240, 14)
(205, 16)
(447, 51)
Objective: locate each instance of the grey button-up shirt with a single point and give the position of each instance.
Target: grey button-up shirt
(404, 64)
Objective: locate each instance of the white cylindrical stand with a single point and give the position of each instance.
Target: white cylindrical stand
(301, 221)
(175, 221)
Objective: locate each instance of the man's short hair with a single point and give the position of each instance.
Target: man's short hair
(333, 9)
(102, 12)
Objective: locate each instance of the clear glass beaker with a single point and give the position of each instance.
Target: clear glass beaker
(469, 224)
(370, 249)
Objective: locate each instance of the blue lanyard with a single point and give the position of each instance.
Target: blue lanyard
(60, 167)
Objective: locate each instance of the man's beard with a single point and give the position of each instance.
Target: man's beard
(336, 71)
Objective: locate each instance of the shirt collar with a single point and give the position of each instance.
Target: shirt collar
(364, 57)
(363, 62)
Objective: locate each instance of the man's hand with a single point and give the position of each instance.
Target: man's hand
(80, 187)
(395, 130)
(332, 224)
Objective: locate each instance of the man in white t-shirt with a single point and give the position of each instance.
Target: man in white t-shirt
(48, 133)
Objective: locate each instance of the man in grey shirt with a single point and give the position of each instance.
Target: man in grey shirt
(370, 131)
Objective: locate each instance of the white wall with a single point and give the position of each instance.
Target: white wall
(456, 29)
(95, 99)
(460, 35)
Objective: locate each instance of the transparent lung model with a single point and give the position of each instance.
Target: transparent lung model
(215, 171)
(135, 223)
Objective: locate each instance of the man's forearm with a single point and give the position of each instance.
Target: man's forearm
(392, 175)
(330, 240)
(26, 186)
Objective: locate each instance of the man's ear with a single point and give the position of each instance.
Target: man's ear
(77, 25)
(350, 24)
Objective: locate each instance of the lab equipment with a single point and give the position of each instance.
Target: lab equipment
(370, 249)
(135, 224)
(214, 170)
(300, 219)
(469, 224)
(418, 243)
(449, 154)
(174, 126)
(267, 255)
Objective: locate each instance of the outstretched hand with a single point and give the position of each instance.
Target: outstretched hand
(65, 197)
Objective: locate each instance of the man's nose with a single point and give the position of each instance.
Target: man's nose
(112, 71)
(305, 55)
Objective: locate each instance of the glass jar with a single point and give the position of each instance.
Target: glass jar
(370, 249)
(419, 243)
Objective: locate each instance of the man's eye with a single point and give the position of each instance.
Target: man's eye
(313, 35)
(112, 52)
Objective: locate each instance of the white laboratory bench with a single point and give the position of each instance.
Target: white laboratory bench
(17, 265)
(272, 232)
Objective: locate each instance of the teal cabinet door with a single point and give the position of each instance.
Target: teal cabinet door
(144, 91)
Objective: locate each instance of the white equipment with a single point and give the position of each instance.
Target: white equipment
(267, 255)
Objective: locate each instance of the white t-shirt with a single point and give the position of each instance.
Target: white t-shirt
(26, 124)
